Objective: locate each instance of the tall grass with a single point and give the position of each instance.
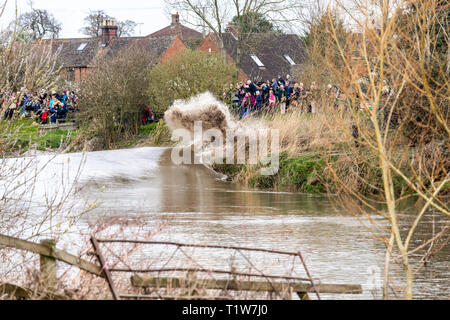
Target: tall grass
(305, 133)
(306, 140)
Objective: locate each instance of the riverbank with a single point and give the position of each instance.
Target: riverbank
(305, 156)
(310, 161)
(22, 136)
(302, 173)
(319, 154)
(150, 135)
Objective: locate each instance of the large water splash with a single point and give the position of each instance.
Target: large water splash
(204, 107)
(213, 114)
(221, 136)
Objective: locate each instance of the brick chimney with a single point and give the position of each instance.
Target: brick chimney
(175, 19)
(231, 28)
(109, 31)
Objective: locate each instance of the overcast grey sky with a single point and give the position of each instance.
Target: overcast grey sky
(150, 13)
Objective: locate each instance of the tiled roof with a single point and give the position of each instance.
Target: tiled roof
(69, 54)
(83, 52)
(177, 30)
(270, 48)
(193, 43)
(71, 57)
(158, 46)
(118, 44)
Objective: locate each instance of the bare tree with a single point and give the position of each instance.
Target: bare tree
(30, 65)
(253, 23)
(215, 14)
(38, 24)
(94, 21)
(392, 73)
(126, 28)
(3, 7)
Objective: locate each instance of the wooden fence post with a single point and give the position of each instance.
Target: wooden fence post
(48, 267)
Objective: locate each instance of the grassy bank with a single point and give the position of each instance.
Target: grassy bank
(19, 136)
(154, 134)
(311, 161)
(304, 141)
(296, 174)
(22, 135)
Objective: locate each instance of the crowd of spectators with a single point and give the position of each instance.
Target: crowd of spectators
(43, 107)
(278, 95)
(281, 95)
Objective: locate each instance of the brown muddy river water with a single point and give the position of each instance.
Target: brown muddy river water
(196, 206)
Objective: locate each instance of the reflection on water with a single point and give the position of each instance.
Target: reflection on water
(200, 208)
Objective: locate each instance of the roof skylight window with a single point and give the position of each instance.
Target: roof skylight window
(289, 59)
(82, 46)
(257, 61)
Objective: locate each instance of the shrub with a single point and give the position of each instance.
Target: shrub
(304, 172)
(113, 96)
(187, 75)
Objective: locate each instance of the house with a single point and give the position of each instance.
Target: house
(262, 56)
(177, 29)
(79, 55)
(259, 56)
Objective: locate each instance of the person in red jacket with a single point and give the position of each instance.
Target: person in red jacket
(147, 116)
(44, 116)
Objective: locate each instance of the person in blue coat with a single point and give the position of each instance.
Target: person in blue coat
(281, 81)
(251, 87)
(53, 101)
(259, 101)
(274, 86)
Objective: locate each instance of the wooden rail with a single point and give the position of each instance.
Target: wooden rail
(58, 126)
(204, 246)
(47, 277)
(302, 286)
(52, 252)
(49, 254)
(212, 284)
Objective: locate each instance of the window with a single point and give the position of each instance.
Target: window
(289, 59)
(82, 46)
(257, 61)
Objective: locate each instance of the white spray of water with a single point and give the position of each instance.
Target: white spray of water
(203, 107)
(213, 115)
